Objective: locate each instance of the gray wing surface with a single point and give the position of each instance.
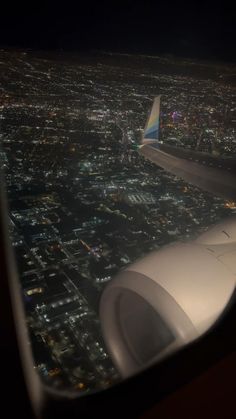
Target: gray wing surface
(213, 180)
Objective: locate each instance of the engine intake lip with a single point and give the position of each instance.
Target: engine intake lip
(141, 322)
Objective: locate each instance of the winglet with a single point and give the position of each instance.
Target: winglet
(151, 130)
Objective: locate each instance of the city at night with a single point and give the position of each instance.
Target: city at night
(83, 203)
(118, 162)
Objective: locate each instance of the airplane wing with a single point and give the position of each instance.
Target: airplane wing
(216, 181)
(176, 161)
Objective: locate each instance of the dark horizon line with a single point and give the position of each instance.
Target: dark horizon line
(86, 50)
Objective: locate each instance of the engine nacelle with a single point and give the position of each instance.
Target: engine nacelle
(168, 298)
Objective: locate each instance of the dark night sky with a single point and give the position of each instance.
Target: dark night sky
(206, 30)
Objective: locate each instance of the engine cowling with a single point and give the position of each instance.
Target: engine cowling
(168, 298)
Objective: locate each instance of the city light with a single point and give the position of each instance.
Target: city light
(83, 202)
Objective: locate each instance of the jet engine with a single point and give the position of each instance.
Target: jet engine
(168, 298)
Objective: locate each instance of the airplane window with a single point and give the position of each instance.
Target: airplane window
(115, 167)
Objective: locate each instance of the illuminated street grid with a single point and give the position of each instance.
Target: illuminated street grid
(83, 203)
